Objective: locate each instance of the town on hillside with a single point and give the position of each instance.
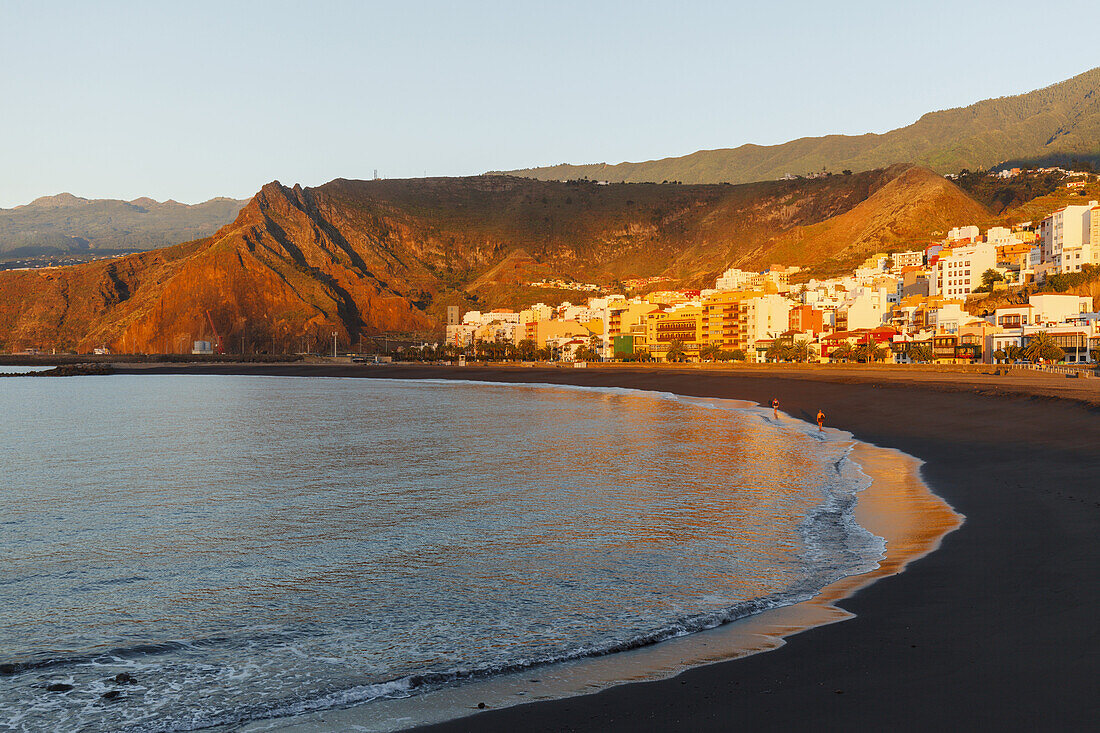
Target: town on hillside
(971, 297)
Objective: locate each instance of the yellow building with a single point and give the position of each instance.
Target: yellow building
(623, 317)
(683, 324)
(540, 331)
(736, 319)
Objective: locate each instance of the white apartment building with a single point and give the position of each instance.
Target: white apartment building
(1042, 309)
(735, 279)
(959, 270)
(1070, 238)
(1000, 236)
(914, 258)
(949, 318)
(767, 317)
(1077, 338)
(870, 308)
(477, 318)
(971, 232)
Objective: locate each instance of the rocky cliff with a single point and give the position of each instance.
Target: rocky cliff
(367, 257)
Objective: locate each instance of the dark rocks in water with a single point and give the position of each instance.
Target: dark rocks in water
(58, 687)
(75, 370)
(8, 668)
(125, 678)
(112, 695)
(67, 370)
(481, 706)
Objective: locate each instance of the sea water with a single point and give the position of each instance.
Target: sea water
(253, 547)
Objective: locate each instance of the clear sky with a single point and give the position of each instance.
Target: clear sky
(190, 100)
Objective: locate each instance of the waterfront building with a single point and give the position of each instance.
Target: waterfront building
(665, 326)
(541, 332)
(734, 320)
(882, 336)
(1044, 308)
(622, 317)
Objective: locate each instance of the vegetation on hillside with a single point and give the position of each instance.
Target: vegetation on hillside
(999, 194)
(1053, 125)
(1038, 208)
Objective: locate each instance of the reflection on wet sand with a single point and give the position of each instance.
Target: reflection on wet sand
(897, 506)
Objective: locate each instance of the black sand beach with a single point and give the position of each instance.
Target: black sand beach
(995, 631)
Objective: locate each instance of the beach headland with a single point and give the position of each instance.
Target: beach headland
(994, 630)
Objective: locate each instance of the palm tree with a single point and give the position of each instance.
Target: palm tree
(596, 344)
(675, 351)
(710, 352)
(869, 351)
(586, 353)
(843, 352)
(1041, 347)
(527, 350)
(921, 352)
(800, 351)
(783, 351)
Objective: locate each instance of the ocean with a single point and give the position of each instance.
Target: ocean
(246, 548)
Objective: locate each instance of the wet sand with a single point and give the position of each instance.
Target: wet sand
(996, 630)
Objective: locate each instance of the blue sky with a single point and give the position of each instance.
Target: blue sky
(194, 100)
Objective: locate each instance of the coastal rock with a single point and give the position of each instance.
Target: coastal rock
(125, 678)
(58, 687)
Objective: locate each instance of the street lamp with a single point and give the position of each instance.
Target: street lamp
(333, 344)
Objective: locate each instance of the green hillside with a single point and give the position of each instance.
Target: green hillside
(1054, 125)
(70, 224)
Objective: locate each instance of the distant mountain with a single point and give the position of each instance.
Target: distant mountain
(65, 223)
(1053, 125)
(364, 257)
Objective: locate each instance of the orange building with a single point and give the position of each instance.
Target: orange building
(807, 318)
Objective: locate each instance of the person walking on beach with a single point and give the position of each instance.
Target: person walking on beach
(775, 408)
(820, 421)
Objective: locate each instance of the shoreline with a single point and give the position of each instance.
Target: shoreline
(896, 505)
(993, 630)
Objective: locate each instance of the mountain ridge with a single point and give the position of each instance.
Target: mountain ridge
(357, 258)
(65, 223)
(1057, 123)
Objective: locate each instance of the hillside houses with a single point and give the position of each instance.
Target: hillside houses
(904, 307)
